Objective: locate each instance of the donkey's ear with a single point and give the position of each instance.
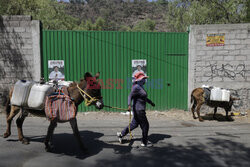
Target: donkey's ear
(97, 75)
(87, 75)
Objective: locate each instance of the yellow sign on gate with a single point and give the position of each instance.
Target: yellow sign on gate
(215, 39)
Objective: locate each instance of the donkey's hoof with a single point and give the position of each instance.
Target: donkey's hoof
(194, 117)
(49, 149)
(201, 120)
(25, 141)
(6, 135)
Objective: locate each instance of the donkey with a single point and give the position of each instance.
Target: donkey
(198, 99)
(91, 86)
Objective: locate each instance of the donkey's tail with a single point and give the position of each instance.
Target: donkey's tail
(192, 99)
(7, 106)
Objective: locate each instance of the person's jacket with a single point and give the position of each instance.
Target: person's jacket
(139, 97)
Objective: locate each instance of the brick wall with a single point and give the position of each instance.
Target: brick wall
(19, 51)
(225, 66)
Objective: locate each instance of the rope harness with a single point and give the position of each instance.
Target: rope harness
(130, 134)
(93, 99)
(129, 129)
(86, 100)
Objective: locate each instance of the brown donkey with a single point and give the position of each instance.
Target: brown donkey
(89, 85)
(198, 99)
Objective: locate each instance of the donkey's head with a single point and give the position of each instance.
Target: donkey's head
(231, 101)
(93, 89)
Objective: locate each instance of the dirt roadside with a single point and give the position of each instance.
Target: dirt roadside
(163, 115)
(173, 114)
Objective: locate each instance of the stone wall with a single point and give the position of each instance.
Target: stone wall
(225, 66)
(19, 51)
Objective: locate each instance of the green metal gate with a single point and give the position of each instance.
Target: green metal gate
(112, 53)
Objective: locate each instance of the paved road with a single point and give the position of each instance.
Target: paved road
(176, 143)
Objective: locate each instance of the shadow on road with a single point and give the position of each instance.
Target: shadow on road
(216, 152)
(65, 144)
(219, 118)
(155, 138)
(194, 152)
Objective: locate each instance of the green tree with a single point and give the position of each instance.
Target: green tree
(77, 1)
(99, 24)
(125, 28)
(162, 2)
(119, 15)
(147, 25)
(3, 6)
(182, 13)
(247, 19)
(49, 12)
(89, 25)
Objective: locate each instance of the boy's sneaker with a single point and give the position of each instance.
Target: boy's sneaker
(148, 144)
(119, 135)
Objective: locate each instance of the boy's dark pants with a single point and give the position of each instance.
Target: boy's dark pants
(139, 118)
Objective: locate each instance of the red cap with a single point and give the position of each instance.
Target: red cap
(139, 76)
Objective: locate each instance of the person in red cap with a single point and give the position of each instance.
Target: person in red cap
(139, 96)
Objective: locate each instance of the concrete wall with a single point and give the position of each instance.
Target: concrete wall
(225, 66)
(19, 51)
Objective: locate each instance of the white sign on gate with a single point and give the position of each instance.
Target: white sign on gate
(56, 69)
(139, 65)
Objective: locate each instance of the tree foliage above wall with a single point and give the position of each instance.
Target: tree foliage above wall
(51, 13)
(129, 15)
(182, 13)
(247, 19)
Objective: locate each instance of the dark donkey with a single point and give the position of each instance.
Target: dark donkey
(87, 84)
(198, 99)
